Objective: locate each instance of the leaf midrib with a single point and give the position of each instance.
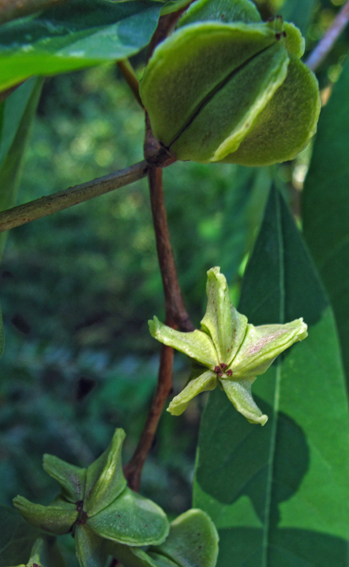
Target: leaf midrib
(266, 524)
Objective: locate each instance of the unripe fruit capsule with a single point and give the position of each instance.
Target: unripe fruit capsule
(227, 87)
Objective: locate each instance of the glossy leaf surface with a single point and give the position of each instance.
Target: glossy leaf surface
(77, 35)
(279, 494)
(326, 206)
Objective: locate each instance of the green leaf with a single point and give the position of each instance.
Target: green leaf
(279, 495)
(132, 520)
(326, 206)
(16, 116)
(16, 538)
(2, 335)
(80, 34)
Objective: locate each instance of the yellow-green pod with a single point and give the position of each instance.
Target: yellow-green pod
(223, 81)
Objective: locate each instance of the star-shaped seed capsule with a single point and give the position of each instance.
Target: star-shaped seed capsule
(227, 350)
(95, 504)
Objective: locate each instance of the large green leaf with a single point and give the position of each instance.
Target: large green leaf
(279, 494)
(16, 537)
(79, 34)
(16, 115)
(299, 12)
(326, 205)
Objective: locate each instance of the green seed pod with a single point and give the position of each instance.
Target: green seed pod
(96, 506)
(227, 351)
(45, 553)
(57, 518)
(90, 549)
(227, 87)
(71, 478)
(192, 542)
(132, 520)
(104, 478)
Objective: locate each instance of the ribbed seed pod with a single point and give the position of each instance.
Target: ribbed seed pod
(227, 87)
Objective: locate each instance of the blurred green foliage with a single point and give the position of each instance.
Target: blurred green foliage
(78, 288)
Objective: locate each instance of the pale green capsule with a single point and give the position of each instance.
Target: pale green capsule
(132, 520)
(237, 351)
(192, 542)
(222, 78)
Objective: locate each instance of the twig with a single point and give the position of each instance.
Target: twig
(12, 9)
(133, 470)
(176, 314)
(22, 214)
(165, 25)
(325, 45)
(129, 75)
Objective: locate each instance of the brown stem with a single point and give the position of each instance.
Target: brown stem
(176, 313)
(12, 9)
(176, 316)
(133, 470)
(131, 79)
(165, 25)
(22, 214)
(325, 45)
